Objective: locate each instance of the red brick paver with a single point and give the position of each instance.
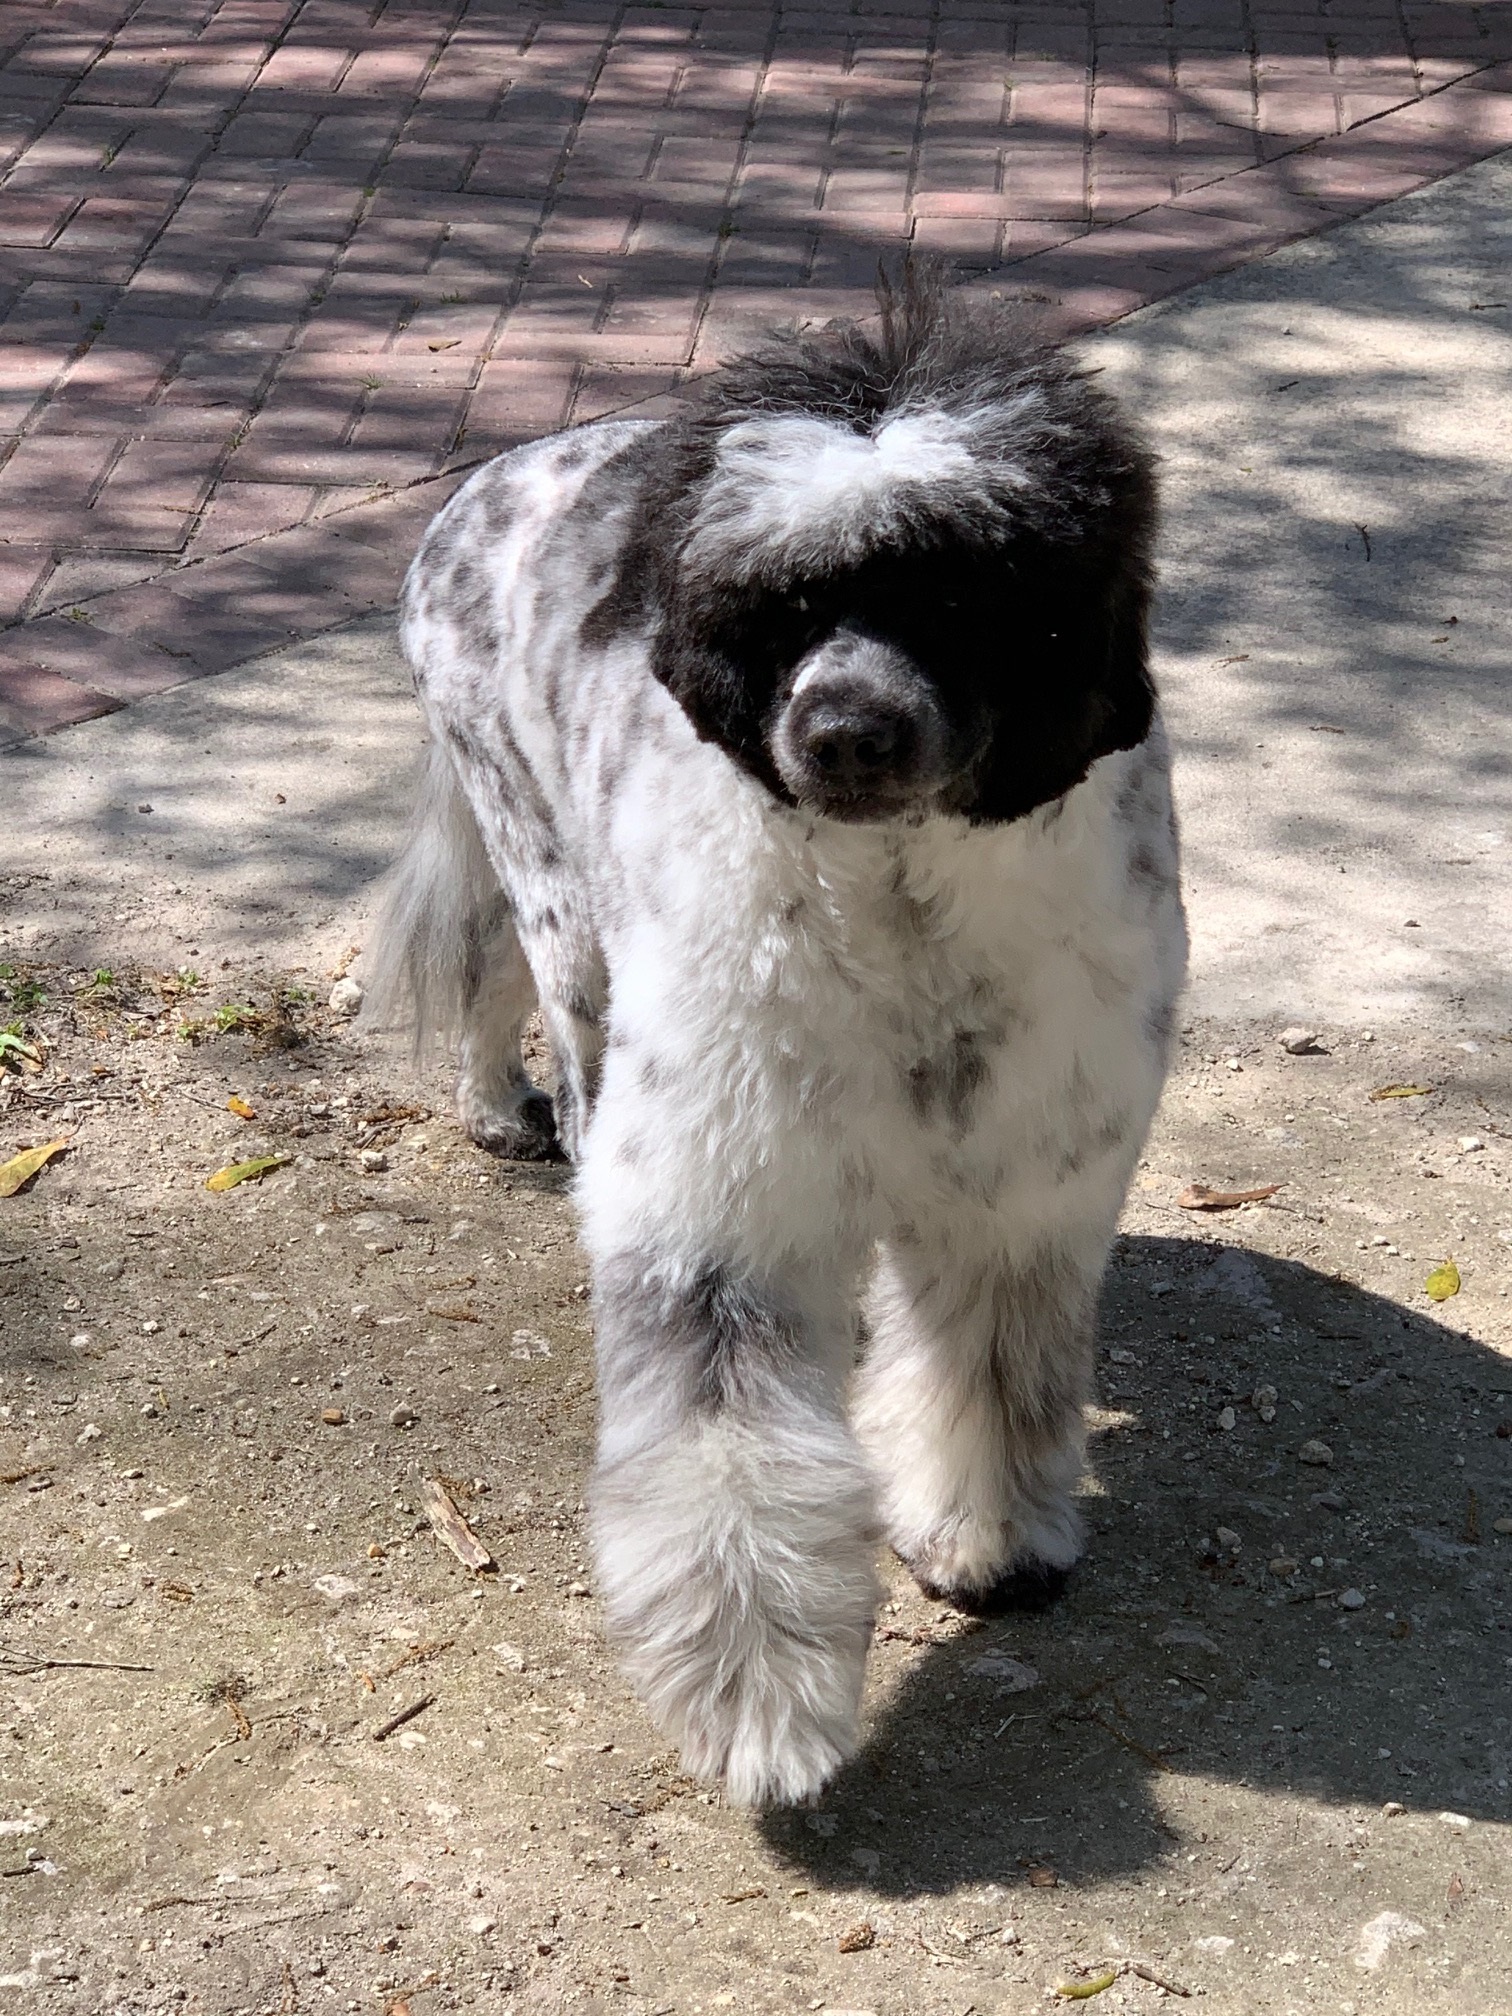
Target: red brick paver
(274, 273)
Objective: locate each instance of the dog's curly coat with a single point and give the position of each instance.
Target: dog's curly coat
(800, 759)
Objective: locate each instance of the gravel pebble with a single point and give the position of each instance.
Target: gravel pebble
(345, 997)
(1297, 1041)
(1316, 1453)
(403, 1416)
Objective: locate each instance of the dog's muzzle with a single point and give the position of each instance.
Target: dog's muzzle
(861, 736)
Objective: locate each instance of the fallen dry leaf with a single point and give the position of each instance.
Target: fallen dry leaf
(451, 1528)
(449, 343)
(245, 1172)
(1443, 1282)
(1198, 1197)
(1401, 1092)
(21, 1168)
(239, 1106)
(858, 1938)
(1043, 1878)
(1079, 1991)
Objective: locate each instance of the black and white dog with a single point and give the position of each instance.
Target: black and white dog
(800, 758)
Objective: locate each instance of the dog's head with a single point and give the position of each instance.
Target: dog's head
(901, 573)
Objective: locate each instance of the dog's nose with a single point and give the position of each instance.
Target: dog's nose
(854, 747)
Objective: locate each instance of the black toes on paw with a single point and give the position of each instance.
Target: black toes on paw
(530, 1136)
(1029, 1587)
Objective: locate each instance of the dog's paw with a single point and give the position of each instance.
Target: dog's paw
(771, 1732)
(517, 1129)
(988, 1566)
(1027, 1587)
(739, 1591)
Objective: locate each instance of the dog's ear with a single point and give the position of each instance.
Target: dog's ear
(662, 469)
(693, 622)
(1084, 692)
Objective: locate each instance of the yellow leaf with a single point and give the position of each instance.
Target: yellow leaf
(21, 1168)
(245, 1172)
(240, 1108)
(1443, 1282)
(1401, 1092)
(1078, 1991)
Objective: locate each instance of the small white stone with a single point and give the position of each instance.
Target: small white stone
(1471, 1144)
(1232, 1064)
(1226, 1418)
(91, 1433)
(1227, 1537)
(1014, 1676)
(1455, 1819)
(335, 1588)
(481, 1925)
(509, 1656)
(1351, 1599)
(151, 1327)
(373, 1161)
(1316, 1453)
(345, 997)
(1385, 1930)
(403, 1416)
(1297, 1041)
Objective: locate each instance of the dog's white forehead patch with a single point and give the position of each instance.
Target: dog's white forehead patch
(796, 480)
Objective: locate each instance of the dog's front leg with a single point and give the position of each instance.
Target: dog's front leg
(733, 1516)
(971, 1405)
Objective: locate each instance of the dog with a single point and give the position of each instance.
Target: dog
(799, 757)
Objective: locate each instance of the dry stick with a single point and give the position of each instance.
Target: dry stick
(1148, 1974)
(30, 1664)
(417, 1655)
(405, 1715)
(1140, 1750)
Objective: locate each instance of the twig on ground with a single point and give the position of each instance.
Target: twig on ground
(451, 1529)
(27, 1662)
(417, 1655)
(386, 1729)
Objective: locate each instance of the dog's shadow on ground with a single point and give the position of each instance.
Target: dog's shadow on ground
(1373, 1669)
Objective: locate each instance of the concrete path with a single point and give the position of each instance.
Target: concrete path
(272, 272)
(1332, 637)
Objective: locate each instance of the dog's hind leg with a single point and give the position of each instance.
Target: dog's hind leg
(496, 1102)
(446, 955)
(970, 1403)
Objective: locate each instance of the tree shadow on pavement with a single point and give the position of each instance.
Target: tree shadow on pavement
(1373, 1668)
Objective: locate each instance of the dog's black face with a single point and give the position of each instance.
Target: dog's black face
(901, 576)
(978, 680)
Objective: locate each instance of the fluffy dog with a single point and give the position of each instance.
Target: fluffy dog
(800, 758)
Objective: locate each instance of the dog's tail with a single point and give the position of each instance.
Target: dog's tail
(442, 905)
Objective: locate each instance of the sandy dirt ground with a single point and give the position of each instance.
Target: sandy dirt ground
(1260, 1754)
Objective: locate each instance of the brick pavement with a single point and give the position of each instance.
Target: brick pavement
(273, 273)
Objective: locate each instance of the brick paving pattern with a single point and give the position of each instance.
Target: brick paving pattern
(273, 273)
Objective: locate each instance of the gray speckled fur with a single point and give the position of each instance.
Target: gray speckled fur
(788, 1045)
